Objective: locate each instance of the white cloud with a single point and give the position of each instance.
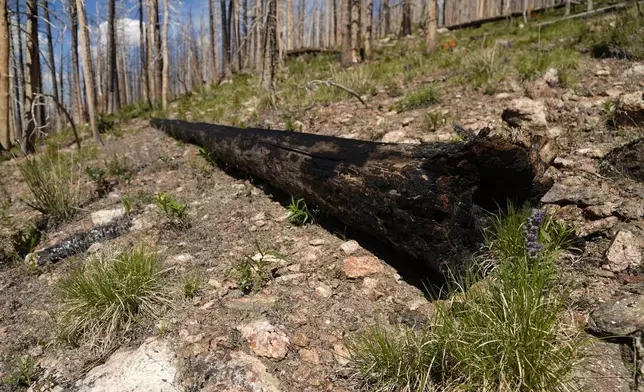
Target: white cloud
(127, 32)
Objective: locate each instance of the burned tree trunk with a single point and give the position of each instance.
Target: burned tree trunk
(418, 198)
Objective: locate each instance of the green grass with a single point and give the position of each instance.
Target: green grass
(298, 213)
(531, 65)
(250, 275)
(191, 286)
(501, 332)
(108, 294)
(21, 374)
(54, 184)
(119, 168)
(422, 97)
(175, 212)
(623, 40)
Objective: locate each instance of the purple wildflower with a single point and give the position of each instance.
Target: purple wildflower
(531, 232)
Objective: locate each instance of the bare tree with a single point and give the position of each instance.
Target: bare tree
(51, 58)
(290, 24)
(142, 52)
(86, 55)
(73, 14)
(150, 55)
(301, 13)
(214, 39)
(346, 57)
(32, 80)
(567, 12)
(113, 92)
(405, 26)
(5, 136)
(259, 19)
(158, 62)
(164, 88)
(225, 42)
(234, 46)
(270, 46)
(368, 27)
(430, 36)
(356, 57)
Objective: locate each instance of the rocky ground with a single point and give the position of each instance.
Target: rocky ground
(289, 336)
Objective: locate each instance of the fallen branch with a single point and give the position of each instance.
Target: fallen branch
(330, 83)
(610, 8)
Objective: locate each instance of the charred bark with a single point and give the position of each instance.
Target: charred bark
(417, 198)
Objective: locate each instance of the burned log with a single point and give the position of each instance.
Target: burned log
(417, 198)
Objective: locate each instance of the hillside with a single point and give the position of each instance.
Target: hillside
(239, 296)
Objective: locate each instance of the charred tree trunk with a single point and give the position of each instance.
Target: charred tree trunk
(214, 39)
(33, 85)
(346, 58)
(52, 62)
(225, 42)
(417, 198)
(405, 27)
(113, 89)
(5, 134)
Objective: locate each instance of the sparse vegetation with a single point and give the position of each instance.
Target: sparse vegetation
(22, 373)
(108, 294)
(434, 120)
(423, 97)
(136, 201)
(298, 213)
(610, 112)
(499, 332)
(191, 286)
(119, 167)
(253, 273)
(529, 65)
(624, 38)
(175, 212)
(54, 184)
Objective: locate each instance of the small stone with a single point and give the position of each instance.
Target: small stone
(341, 354)
(635, 70)
(602, 72)
(181, 259)
(317, 242)
(350, 247)
(104, 217)
(500, 96)
(555, 132)
(394, 137)
(265, 339)
(300, 339)
(95, 247)
(524, 112)
(370, 283)
(324, 291)
(259, 217)
(406, 121)
(290, 277)
(597, 226)
(600, 211)
(310, 356)
(415, 305)
(564, 194)
(591, 153)
(631, 209)
(625, 252)
(359, 267)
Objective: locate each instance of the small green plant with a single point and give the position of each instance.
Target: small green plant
(191, 286)
(298, 213)
(108, 294)
(289, 125)
(54, 184)
(422, 97)
(531, 65)
(136, 201)
(434, 120)
(25, 240)
(105, 122)
(253, 273)
(501, 328)
(610, 112)
(623, 39)
(170, 162)
(206, 155)
(173, 210)
(119, 168)
(22, 373)
(95, 174)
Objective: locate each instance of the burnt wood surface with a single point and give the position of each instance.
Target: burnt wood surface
(417, 198)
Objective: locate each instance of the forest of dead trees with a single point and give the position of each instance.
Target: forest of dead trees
(60, 60)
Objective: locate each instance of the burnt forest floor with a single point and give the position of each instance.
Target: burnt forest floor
(550, 74)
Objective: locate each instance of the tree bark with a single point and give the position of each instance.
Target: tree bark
(368, 28)
(356, 57)
(225, 42)
(32, 82)
(270, 46)
(234, 46)
(417, 198)
(165, 82)
(52, 61)
(214, 39)
(158, 61)
(290, 25)
(346, 57)
(405, 26)
(5, 114)
(430, 35)
(150, 52)
(301, 14)
(86, 55)
(113, 91)
(259, 39)
(144, 59)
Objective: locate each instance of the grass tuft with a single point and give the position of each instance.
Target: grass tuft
(623, 39)
(191, 286)
(108, 294)
(173, 210)
(501, 332)
(423, 97)
(54, 183)
(298, 213)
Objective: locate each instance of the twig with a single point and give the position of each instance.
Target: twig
(313, 83)
(63, 109)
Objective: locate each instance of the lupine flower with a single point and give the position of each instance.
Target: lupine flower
(531, 232)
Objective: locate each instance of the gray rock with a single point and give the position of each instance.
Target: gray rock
(564, 194)
(602, 369)
(635, 70)
(359, 267)
(256, 303)
(152, 367)
(266, 340)
(349, 247)
(596, 227)
(618, 318)
(631, 209)
(630, 109)
(242, 372)
(625, 252)
(525, 112)
(104, 217)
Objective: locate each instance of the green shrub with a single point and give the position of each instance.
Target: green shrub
(253, 273)
(623, 40)
(108, 294)
(298, 213)
(119, 168)
(423, 97)
(22, 373)
(501, 332)
(434, 120)
(54, 183)
(173, 210)
(531, 65)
